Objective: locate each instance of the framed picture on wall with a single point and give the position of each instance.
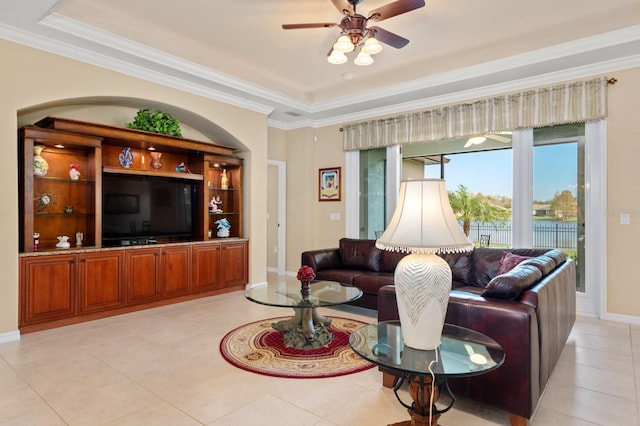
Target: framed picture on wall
(329, 185)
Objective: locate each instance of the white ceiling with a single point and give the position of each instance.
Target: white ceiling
(236, 51)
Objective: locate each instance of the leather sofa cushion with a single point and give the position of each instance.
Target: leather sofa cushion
(370, 282)
(509, 286)
(361, 254)
(543, 262)
(557, 255)
(390, 260)
(461, 265)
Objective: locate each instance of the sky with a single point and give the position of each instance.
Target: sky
(490, 172)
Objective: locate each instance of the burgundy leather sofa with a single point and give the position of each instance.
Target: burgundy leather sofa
(529, 310)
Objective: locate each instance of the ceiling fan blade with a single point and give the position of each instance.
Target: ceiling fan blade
(389, 38)
(313, 25)
(498, 138)
(396, 8)
(344, 7)
(468, 144)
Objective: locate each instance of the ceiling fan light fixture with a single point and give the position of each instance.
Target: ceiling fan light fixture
(337, 57)
(343, 44)
(363, 59)
(371, 46)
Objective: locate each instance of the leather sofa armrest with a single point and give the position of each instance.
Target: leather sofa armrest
(387, 305)
(322, 259)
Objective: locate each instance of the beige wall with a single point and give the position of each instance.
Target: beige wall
(35, 83)
(623, 193)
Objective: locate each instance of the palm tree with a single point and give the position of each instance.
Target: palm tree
(469, 207)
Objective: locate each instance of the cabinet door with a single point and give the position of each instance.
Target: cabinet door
(234, 261)
(143, 273)
(47, 288)
(100, 281)
(206, 264)
(175, 265)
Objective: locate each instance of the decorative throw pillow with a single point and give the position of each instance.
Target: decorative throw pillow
(509, 261)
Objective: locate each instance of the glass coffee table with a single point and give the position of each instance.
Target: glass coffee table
(462, 353)
(307, 329)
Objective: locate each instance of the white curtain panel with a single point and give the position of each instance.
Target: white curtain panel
(580, 101)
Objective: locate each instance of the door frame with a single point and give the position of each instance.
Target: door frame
(281, 243)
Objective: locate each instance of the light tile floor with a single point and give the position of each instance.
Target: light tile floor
(163, 367)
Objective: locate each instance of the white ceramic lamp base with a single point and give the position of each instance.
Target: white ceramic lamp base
(423, 284)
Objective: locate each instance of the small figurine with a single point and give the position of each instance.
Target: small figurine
(213, 207)
(224, 180)
(224, 228)
(126, 157)
(74, 171)
(36, 241)
(79, 238)
(181, 167)
(63, 242)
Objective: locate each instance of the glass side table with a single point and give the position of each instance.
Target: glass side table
(462, 353)
(307, 329)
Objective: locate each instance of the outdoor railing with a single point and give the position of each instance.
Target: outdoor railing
(545, 235)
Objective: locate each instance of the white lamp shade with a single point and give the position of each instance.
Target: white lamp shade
(423, 221)
(343, 44)
(337, 57)
(371, 46)
(363, 59)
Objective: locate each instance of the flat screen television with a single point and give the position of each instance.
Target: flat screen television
(144, 209)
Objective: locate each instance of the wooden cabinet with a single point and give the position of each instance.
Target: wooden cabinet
(233, 261)
(66, 167)
(223, 179)
(51, 203)
(100, 281)
(143, 272)
(175, 271)
(206, 267)
(47, 289)
(67, 286)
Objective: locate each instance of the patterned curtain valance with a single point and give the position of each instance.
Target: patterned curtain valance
(567, 103)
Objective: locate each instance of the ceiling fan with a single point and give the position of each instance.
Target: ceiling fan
(356, 35)
(477, 140)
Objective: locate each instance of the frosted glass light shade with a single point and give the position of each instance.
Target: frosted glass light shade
(343, 44)
(337, 57)
(363, 59)
(371, 46)
(423, 221)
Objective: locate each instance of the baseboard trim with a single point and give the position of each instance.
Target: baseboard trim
(10, 336)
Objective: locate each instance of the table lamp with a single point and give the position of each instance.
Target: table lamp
(423, 225)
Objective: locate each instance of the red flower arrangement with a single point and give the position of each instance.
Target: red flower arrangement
(306, 273)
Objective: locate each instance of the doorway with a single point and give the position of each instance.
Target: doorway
(276, 216)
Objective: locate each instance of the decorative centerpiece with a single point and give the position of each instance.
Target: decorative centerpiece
(40, 165)
(156, 121)
(224, 228)
(224, 180)
(74, 172)
(126, 158)
(155, 160)
(63, 242)
(305, 275)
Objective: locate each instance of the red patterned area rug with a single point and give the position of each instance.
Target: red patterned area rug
(258, 348)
